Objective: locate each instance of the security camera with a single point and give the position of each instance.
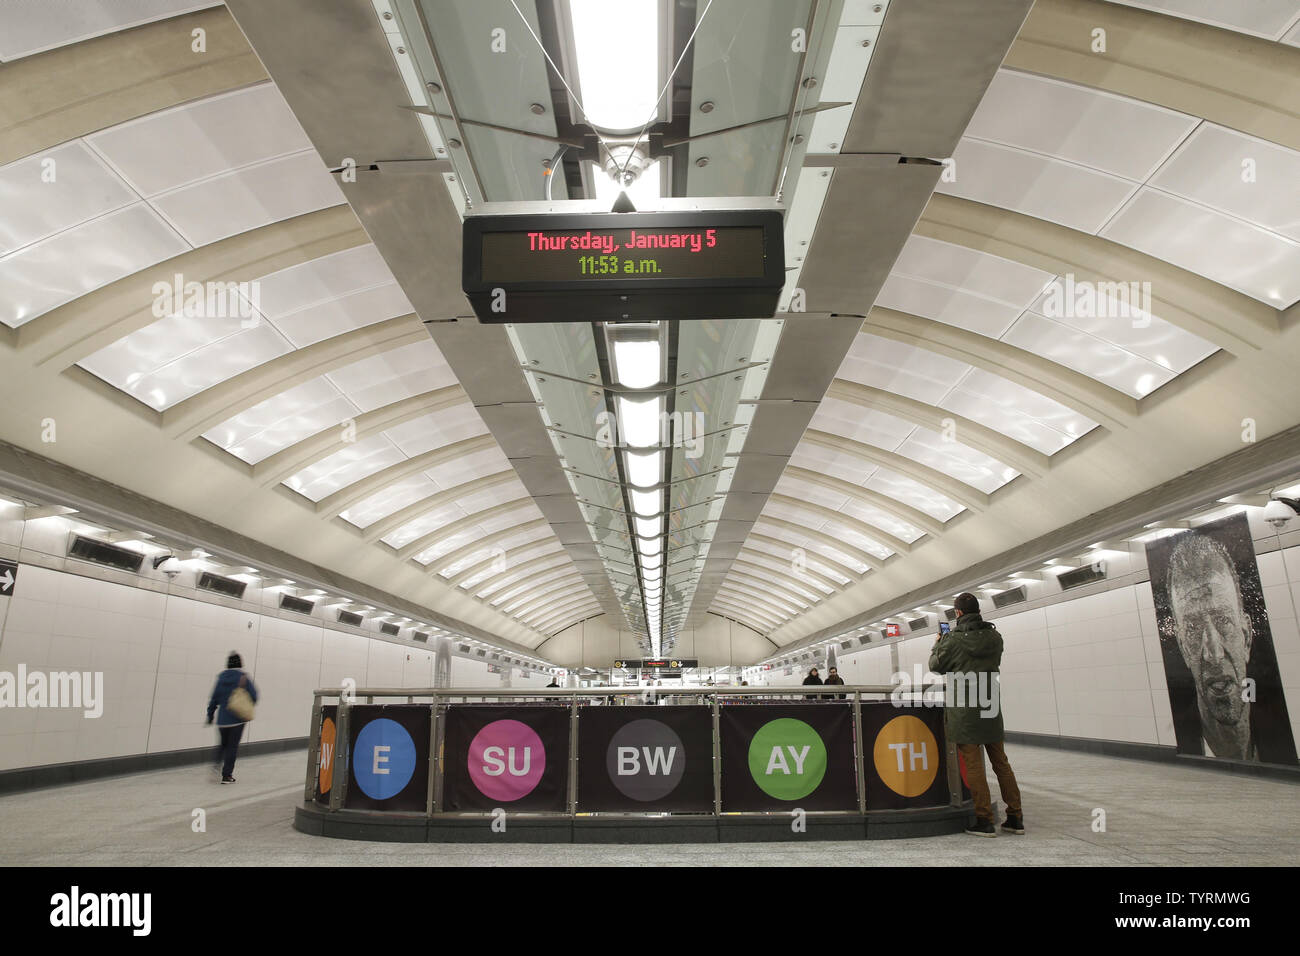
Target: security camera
(168, 565)
(1279, 512)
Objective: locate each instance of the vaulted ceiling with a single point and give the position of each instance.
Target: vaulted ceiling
(934, 405)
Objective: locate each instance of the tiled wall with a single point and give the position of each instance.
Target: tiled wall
(1091, 666)
(160, 654)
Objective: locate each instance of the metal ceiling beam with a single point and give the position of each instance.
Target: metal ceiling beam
(875, 499)
(972, 434)
(418, 509)
(334, 504)
(192, 417)
(294, 458)
(932, 478)
(459, 526)
(64, 336)
(1232, 320)
(1082, 393)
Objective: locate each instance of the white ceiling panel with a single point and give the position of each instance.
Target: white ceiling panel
(1292, 37)
(1016, 412)
(282, 420)
(1126, 137)
(342, 468)
(860, 424)
(322, 280)
(426, 523)
(811, 546)
(1149, 336)
(326, 319)
(919, 496)
(957, 460)
(1240, 175)
(55, 190)
(482, 500)
(541, 536)
(38, 277)
(899, 368)
(181, 146)
(250, 197)
(782, 555)
(945, 304)
(188, 365)
(436, 430)
(393, 498)
(396, 374)
(545, 546)
(33, 26)
(1087, 354)
(465, 468)
(1035, 185)
(1263, 18)
(961, 267)
(1261, 264)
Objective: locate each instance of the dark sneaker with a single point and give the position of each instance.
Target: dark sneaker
(982, 828)
(227, 779)
(1014, 825)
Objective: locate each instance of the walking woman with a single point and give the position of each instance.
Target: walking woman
(231, 714)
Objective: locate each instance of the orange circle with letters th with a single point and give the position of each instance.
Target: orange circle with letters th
(907, 756)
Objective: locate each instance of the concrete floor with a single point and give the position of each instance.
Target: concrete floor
(1156, 815)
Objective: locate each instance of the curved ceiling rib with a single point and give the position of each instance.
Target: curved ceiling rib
(188, 419)
(472, 571)
(766, 579)
(971, 434)
(782, 608)
(1101, 403)
(752, 559)
(460, 526)
(493, 582)
(578, 608)
(557, 600)
(545, 581)
(558, 623)
(290, 460)
(1239, 81)
(747, 616)
(153, 68)
(857, 554)
(383, 527)
(932, 478)
(830, 563)
(858, 526)
(334, 504)
(439, 565)
(1233, 321)
(903, 512)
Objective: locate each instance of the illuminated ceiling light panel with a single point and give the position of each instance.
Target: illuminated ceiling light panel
(649, 548)
(645, 502)
(636, 363)
(649, 527)
(643, 468)
(639, 421)
(617, 51)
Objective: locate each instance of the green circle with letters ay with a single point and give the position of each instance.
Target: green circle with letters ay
(787, 759)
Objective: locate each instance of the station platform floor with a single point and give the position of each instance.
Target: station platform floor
(1156, 815)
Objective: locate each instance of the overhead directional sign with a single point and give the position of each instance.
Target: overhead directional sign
(8, 577)
(583, 267)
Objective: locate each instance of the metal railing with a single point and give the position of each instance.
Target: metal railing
(438, 698)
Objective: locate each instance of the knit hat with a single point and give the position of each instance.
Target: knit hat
(234, 660)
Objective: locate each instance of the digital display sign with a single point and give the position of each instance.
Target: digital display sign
(612, 266)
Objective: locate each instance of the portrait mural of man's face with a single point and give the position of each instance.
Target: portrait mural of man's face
(1224, 688)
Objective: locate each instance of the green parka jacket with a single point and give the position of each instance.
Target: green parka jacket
(969, 656)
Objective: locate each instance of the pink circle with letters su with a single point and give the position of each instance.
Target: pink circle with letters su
(529, 757)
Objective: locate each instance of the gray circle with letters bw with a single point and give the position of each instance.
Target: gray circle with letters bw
(645, 760)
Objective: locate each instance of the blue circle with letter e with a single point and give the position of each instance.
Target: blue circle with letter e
(383, 759)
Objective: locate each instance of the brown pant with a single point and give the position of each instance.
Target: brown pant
(979, 784)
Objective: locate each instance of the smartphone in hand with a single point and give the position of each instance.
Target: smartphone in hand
(944, 628)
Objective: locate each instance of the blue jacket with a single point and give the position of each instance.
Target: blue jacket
(227, 681)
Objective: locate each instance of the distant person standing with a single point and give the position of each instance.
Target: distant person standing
(833, 677)
(812, 680)
(970, 655)
(229, 723)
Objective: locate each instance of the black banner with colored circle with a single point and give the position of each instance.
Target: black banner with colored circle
(388, 757)
(646, 758)
(904, 756)
(327, 754)
(512, 758)
(787, 757)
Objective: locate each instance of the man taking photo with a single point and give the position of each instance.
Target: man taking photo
(970, 655)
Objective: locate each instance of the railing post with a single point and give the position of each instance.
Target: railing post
(860, 757)
(313, 751)
(573, 755)
(342, 756)
(717, 759)
(433, 758)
